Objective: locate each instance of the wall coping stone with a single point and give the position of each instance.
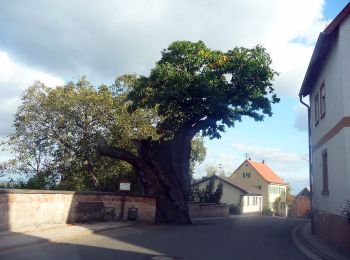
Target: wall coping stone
(27, 191)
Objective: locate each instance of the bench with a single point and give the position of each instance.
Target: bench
(94, 210)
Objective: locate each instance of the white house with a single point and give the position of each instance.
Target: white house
(247, 198)
(327, 84)
(259, 175)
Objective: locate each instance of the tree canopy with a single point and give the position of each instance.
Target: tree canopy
(194, 86)
(148, 122)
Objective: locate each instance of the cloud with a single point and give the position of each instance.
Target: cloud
(288, 165)
(104, 39)
(14, 78)
(300, 121)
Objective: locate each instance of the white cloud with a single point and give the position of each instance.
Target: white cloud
(288, 165)
(300, 121)
(14, 78)
(101, 40)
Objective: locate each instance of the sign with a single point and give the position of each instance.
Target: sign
(124, 186)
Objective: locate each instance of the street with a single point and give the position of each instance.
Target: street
(238, 237)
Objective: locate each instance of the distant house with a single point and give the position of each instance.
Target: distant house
(301, 205)
(247, 198)
(263, 178)
(326, 83)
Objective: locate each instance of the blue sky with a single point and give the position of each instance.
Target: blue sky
(63, 40)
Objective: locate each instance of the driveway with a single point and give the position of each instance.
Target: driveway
(238, 237)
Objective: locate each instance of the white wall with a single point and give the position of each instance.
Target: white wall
(230, 194)
(336, 76)
(251, 207)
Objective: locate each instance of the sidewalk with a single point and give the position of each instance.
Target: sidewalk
(314, 247)
(20, 238)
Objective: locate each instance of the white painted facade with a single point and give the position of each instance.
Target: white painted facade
(232, 195)
(335, 75)
(251, 204)
(274, 192)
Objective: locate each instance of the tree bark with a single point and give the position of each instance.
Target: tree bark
(164, 172)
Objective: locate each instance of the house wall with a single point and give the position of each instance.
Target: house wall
(301, 207)
(329, 223)
(335, 75)
(250, 207)
(230, 194)
(255, 180)
(273, 195)
(33, 208)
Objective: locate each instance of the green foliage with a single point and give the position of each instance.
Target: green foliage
(192, 85)
(56, 132)
(198, 152)
(210, 194)
(267, 212)
(191, 88)
(234, 209)
(345, 210)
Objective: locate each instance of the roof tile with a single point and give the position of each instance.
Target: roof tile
(266, 172)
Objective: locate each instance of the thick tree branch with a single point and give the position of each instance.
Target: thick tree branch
(119, 154)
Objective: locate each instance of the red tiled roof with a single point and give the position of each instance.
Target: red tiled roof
(266, 172)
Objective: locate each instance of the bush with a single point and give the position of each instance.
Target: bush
(234, 210)
(209, 194)
(345, 210)
(267, 212)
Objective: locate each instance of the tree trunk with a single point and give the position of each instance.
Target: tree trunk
(164, 171)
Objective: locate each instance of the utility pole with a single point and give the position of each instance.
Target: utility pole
(220, 168)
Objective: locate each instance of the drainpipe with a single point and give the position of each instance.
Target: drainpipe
(310, 163)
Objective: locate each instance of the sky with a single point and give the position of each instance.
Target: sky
(62, 40)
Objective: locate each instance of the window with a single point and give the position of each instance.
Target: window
(282, 205)
(246, 174)
(323, 101)
(247, 201)
(317, 109)
(325, 190)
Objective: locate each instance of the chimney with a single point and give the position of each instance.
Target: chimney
(249, 159)
(263, 161)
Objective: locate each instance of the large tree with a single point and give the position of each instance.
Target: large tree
(192, 89)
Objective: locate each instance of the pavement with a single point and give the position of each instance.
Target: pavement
(314, 247)
(11, 240)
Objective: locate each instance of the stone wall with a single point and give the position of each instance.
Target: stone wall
(207, 210)
(333, 228)
(32, 208)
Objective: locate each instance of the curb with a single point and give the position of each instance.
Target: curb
(300, 243)
(40, 241)
(308, 248)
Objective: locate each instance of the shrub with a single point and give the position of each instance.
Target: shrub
(267, 212)
(234, 209)
(209, 194)
(345, 210)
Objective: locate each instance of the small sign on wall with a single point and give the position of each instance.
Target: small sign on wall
(124, 186)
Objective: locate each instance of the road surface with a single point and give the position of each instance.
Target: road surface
(239, 237)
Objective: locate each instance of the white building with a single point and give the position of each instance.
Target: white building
(245, 197)
(261, 176)
(327, 83)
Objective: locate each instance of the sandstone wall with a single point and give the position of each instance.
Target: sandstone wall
(32, 208)
(207, 210)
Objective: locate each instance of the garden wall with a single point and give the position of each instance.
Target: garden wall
(207, 210)
(33, 208)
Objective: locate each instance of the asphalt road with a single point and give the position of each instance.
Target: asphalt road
(241, 237)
